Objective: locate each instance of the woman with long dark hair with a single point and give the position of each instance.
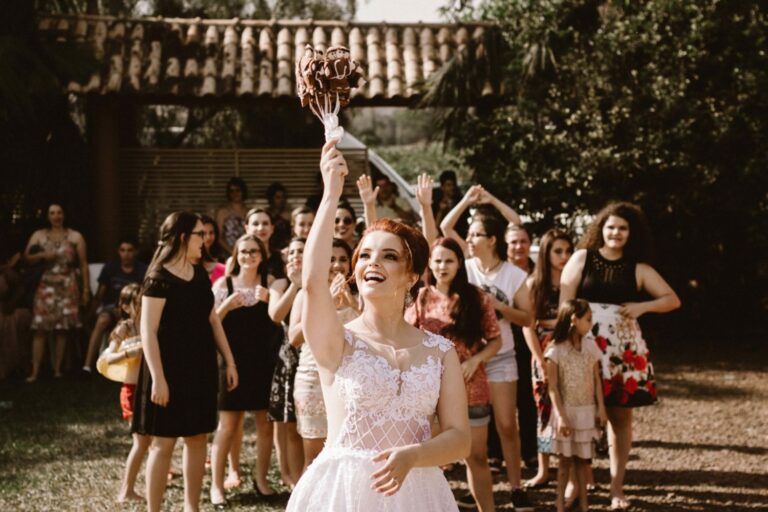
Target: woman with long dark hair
(452, 307)
(383, 379)
(211, 249)
(282, 408)
(555, 249)
(178, 380)
(56, 306)
(610, 270)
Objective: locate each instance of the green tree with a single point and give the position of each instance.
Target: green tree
(663, 103)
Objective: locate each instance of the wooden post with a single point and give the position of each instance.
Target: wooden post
(104, 131)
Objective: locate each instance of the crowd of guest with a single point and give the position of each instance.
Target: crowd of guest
(219, 313)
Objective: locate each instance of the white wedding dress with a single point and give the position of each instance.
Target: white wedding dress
(379, 398)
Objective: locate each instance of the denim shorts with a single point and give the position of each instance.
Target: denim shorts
(479, 415)
(502, 367)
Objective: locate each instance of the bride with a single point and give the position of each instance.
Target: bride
(383, 380)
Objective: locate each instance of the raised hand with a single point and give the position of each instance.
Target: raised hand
(334, 169)
(234, 301)
(474, 194)
(262, 293)
(424, 190)
(368, 194)
(340, 291)
(293, 269)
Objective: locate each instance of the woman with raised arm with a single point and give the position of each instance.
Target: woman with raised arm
(178, 381)
(383, 380)
(505, 285)
(282, 410)
(610, 270)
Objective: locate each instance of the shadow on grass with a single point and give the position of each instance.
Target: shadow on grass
(677, 490)
(677, 387)
(59, 419)
(671, 445)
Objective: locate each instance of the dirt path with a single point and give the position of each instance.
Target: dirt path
(703, 447)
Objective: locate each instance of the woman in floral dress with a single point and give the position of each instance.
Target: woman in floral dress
(610, 270)
(59, 295)
(555, 250)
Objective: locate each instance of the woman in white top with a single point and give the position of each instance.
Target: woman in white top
(383, 380)
(505, 285)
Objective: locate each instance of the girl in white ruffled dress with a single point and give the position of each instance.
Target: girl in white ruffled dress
(577, 398)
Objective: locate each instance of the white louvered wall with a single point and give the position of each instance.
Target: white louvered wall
(155, 182)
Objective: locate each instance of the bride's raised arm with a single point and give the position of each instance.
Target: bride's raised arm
(322, 328)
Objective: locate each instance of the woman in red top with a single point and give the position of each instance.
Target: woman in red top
(452, 307)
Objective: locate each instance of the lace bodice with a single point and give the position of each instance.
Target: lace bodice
(385, 397)
(220, 294)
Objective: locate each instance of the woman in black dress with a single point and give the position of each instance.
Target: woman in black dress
(610, 270)
(245, 301)
(178, 381)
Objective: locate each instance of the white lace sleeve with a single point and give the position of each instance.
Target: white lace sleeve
(435, 340)
(219, 295)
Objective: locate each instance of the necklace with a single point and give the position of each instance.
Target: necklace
(488, 271)
(58, 239)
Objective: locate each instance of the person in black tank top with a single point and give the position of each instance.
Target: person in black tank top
(244, 299)
(611, 270)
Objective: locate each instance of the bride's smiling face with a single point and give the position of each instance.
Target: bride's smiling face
(383, 268)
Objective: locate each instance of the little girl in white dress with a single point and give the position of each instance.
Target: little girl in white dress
(577, 397)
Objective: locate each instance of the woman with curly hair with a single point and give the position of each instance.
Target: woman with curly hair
(610, 270)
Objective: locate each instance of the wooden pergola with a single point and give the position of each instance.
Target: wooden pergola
(228, 62)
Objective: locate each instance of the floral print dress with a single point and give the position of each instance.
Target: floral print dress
(57, 300)
(628, 377)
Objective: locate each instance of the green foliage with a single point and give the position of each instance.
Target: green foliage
(664, 103)
(429, 157)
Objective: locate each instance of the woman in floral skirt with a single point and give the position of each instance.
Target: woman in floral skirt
(555, 250)
(610, 270)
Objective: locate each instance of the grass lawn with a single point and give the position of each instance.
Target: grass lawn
(703, 447)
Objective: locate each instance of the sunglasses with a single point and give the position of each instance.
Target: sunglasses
(344, 220)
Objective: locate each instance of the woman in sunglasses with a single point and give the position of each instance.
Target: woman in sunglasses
(344, 223)
(505, 286)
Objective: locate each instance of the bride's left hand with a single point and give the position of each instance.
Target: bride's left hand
(390, 477)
